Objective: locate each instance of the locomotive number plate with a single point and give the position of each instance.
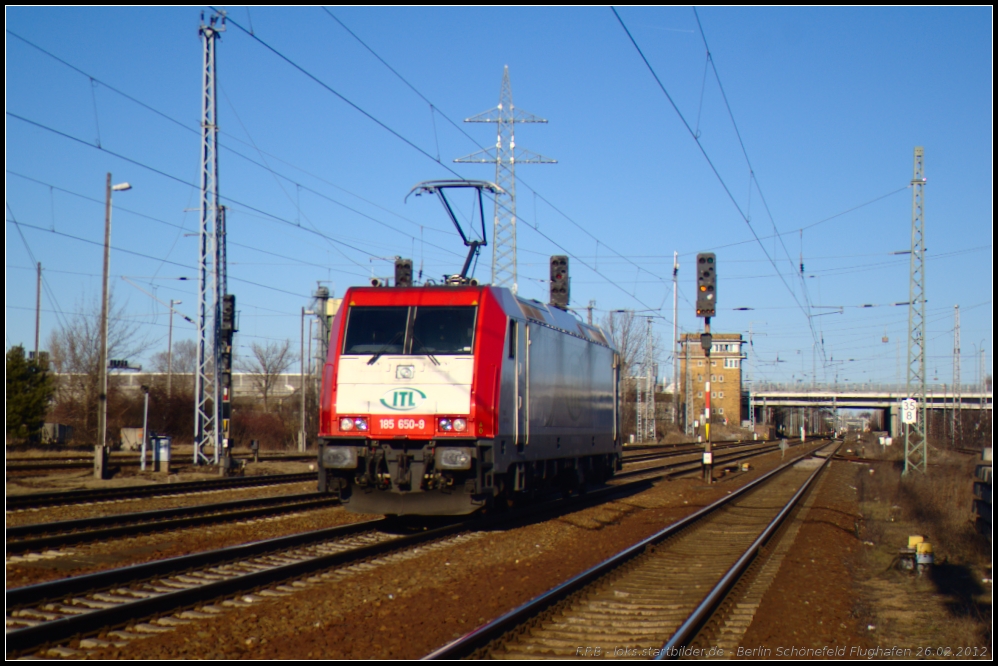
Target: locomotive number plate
(401, 425)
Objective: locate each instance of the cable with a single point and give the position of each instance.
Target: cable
(147, 256)
(319, 81)
(519, 180)
(227, 148)
(716, 173)
(267, 215)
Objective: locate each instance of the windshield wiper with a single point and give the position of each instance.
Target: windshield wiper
(384, 349)
(416, 341)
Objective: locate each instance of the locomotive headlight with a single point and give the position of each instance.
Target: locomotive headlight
(445, 425)
(340, 457)
(460, 425)
(454, 458)
(349, 423)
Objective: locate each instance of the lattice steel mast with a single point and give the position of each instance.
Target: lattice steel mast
(505, 155)
(957, 397)
(915, 449)
(651, 376)
(207, 390)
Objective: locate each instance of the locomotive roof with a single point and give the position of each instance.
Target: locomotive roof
(514, 306)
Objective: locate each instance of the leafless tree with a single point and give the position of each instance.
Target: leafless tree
(266, 363)
(185, 358)
(75, 354)
(627, 334)
(185, 363)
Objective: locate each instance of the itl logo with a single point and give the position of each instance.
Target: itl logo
(403, 399)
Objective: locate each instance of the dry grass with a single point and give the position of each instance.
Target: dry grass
(950, 605)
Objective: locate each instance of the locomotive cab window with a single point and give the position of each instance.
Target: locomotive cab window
(376, 330)
(403, 330)
(443, 330)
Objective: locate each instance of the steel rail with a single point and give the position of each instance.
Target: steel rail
(20, 641)
(21, 464)
(689, 628)
(482, 636)
(37, 536)
(36, 500)
(695, 465)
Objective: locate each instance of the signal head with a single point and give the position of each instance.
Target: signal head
(706, 284)
(559, 283)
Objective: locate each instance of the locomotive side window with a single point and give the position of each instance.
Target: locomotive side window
(376, 330)
(512, 338)
(443, 330)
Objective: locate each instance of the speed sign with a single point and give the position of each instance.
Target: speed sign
(909, 411)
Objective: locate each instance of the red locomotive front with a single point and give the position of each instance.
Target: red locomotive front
(410, 385)
(438, 399)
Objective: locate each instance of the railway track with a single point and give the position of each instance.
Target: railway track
(38, 500)
(24, 464)
(47, 614)
(38, 537)
(181, 590)
(41, 536)
(654, 597)
(691, 462)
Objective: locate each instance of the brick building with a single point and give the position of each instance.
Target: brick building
(724, 370)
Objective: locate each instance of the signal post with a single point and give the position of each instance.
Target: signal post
(706, 308)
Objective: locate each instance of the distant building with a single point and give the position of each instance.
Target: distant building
(723, 370)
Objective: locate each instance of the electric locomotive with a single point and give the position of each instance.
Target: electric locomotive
(437, 400)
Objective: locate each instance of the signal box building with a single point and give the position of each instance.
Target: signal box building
(723, 369)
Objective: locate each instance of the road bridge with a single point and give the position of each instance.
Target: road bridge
(805, 403)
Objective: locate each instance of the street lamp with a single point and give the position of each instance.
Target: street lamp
(169, 351)
(301, 438)
(102, 413)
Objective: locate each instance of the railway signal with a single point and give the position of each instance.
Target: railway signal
(229, 312)
(706, 307)
(403, 272)
(224, 375)
(706, 284)
(559, 281)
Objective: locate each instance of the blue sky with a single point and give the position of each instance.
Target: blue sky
(828, 103)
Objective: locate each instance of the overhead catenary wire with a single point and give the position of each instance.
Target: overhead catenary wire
(265, 214)
(717, 174)
(520, 179)
(383, 125)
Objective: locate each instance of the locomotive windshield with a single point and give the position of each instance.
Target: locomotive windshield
(403, 330)
(376, 330)
(443, 330)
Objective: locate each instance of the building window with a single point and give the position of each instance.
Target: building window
(720, 378)
(713, 364)
(731, 363)
(721, 394)
(699, 364)
(699, 394)
(699, 378)
(720, 410)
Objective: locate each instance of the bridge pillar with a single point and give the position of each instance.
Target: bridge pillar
(893, 417)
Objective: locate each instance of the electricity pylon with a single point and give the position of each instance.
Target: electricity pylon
(505, 155)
